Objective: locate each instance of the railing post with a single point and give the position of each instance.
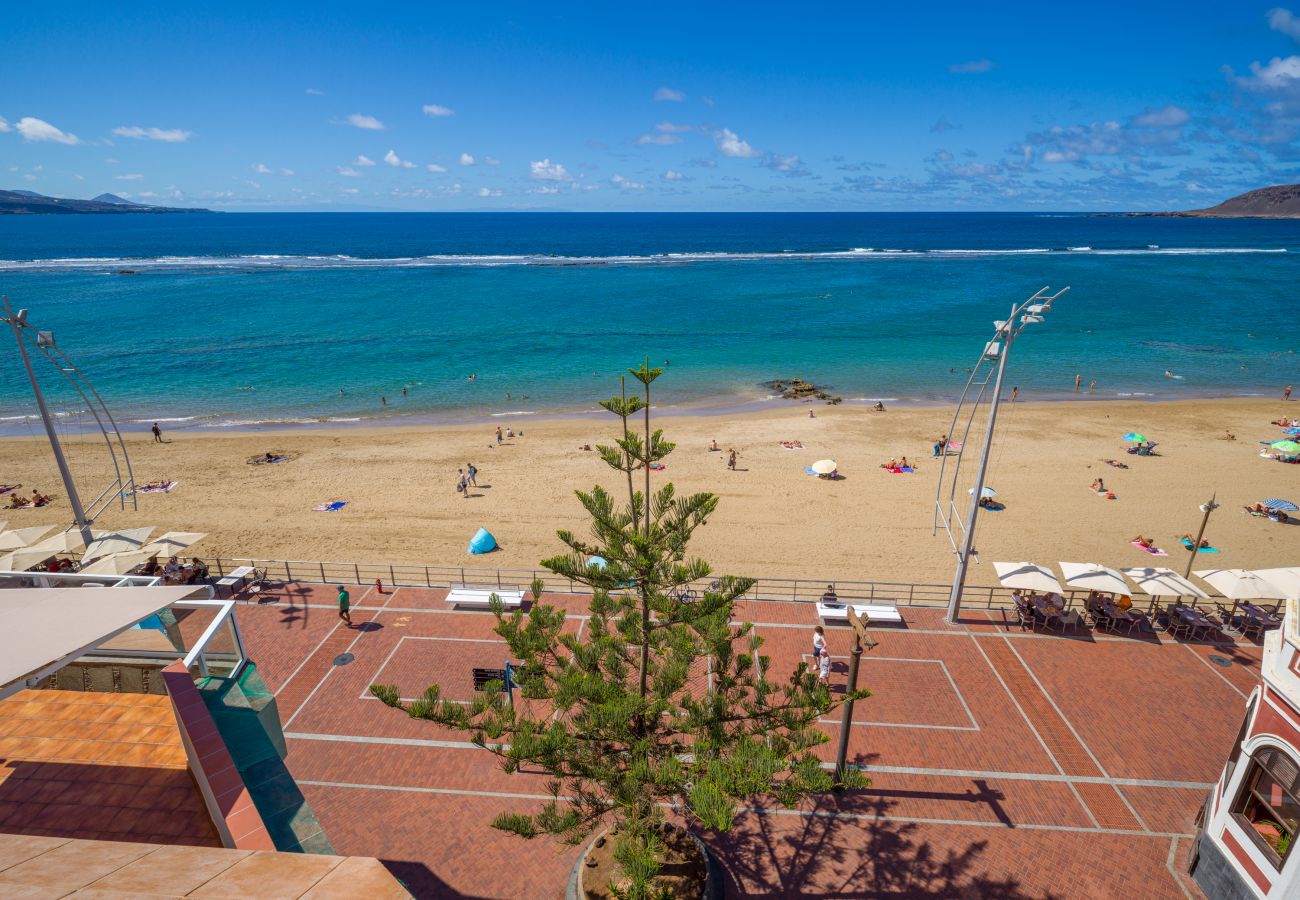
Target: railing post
(794, 590)
(427, 582)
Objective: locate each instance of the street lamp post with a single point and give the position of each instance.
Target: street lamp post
(1206, 508)
(1026, 313)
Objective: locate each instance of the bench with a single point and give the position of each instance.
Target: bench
(874, 613)
(477, 598)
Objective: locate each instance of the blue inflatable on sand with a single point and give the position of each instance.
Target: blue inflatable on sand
(482, 542)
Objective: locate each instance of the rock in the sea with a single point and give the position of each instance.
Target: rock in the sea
(798, 389)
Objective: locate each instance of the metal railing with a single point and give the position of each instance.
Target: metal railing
(782, 589)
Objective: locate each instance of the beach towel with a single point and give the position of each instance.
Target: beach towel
(901, 470)
(8, 488)
(807, 470)
(1188, 544)
(1152, 550)
(1105, 495)
(163, 489)
(330, 507)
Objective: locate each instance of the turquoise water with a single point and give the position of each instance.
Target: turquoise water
(237, 319)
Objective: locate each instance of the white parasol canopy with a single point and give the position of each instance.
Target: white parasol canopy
(117, 542)
(63, 542)
(823, 466)
(23, 537)
(173, 542)
(1160, 582)
(1027, 576)
(23, 559)
(1094, 577)
(117, 563)
(1241, 584)
(1286, 580)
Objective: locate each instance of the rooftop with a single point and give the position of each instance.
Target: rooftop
(989, 748)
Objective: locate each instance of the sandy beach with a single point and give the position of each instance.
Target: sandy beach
(773, 519)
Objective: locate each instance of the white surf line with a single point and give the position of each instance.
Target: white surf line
(1030, 725)
(1216, 671)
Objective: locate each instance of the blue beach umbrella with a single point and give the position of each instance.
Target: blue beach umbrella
(597, 562)
(1283, 505)
(1135, 437)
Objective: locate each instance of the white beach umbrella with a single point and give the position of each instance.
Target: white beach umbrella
(1094, 577)
(63, 542)
(173, 542)
(824, 466)
(117, 542)
(1027, 576)
(23, 559)
(985, 492)
(1240, 584)
(1155, 581)
(1286, 580)
(23, 537)
(116, 563)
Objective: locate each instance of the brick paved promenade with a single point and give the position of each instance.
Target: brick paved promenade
(1004, 763)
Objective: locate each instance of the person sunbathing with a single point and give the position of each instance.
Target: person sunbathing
(713, 446)
(17, 501)
(989, 503)
(1115, 463)
(892, 464)
(1144, 543)
(1189, 541)
(879, 407)
(1098, 485)
(6, 488)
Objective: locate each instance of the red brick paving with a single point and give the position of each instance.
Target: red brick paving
(979, 810)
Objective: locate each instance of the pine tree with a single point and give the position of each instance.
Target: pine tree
(663, 702)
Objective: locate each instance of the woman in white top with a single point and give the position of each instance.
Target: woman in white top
(819, 641)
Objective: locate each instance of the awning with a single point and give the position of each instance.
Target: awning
(23, 537)
(1158, 582)
(173, 542)
(1093, 577)
(1027, 576)
(47, 627)
(1241, 584)
(1287, 580)
(116, 563)
(117, 542)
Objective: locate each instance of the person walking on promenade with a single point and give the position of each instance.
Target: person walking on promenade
(345, 605)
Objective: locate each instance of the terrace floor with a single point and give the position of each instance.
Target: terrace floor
(1004, 763)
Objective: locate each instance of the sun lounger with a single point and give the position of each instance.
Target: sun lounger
(478, 598)
(874, 612)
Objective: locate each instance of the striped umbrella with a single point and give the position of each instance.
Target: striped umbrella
(1284, 505)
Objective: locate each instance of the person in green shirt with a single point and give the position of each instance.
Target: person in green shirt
(345, 601)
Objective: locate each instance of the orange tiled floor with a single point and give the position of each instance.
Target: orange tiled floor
(97, 766)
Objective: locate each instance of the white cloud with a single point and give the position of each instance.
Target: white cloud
(466, 159)
(491, 161)
(731, 145)
(111, 162)
(286, 172)
(363, 161)
(348, 190)
(4, 124)
(488, 192)
(672, 175)
(29, 177)
(662, 139)
(38, 168)
(79, 177)
(435, 111)
(315, 92)
(167, 135)
(370, 123)
(973, 67)
(434, 167)
(39, 130)
(132, 177)
(545, 170)
(397, 162)
(626, 184)
(545, 189)
(1279, 73)
(1168, 117)
(1281, 20)
(348, 172)
(667, 93)
(261, 169)
(708, 101)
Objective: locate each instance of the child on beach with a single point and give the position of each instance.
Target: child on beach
(471, 475)
(731, 460)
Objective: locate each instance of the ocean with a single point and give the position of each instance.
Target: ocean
(240, 320)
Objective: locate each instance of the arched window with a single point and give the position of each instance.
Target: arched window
(1267, 807)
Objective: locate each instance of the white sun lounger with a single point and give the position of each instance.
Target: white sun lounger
(476, 598)
(875, 613)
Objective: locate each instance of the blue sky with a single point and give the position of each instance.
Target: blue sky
(666, 107)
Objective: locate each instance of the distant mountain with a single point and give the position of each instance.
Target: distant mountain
(29, 203)
(1281, 201)
(111, 198)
